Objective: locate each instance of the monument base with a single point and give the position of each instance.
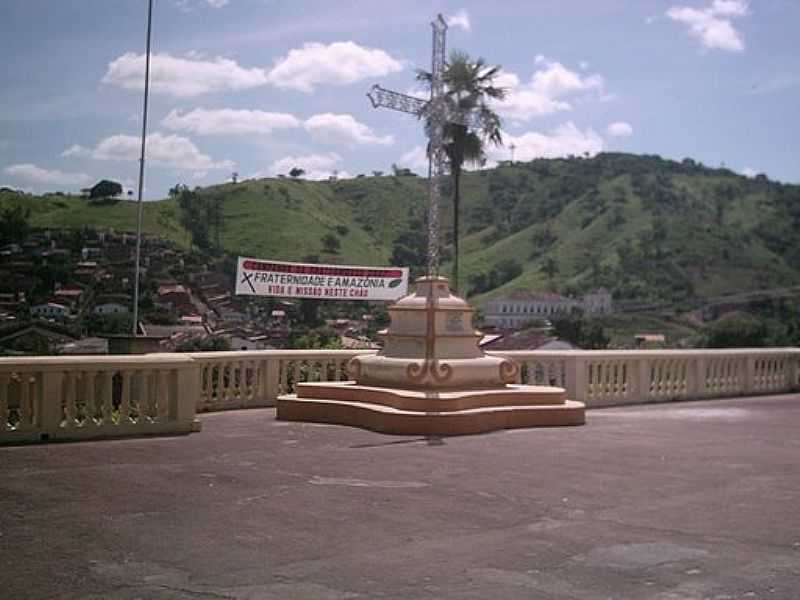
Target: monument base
(419, 412)
(431, 378)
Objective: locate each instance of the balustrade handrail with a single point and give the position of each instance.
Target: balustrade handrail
(84, 362)
(249, 354)
(654, 353)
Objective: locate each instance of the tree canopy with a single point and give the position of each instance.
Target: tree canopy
(469, 88)
(105, 189)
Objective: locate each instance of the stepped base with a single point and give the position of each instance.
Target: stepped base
(414, 412)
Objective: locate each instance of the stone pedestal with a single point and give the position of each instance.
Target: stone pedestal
(431, 378)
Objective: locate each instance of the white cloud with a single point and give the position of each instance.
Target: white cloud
(459, 19)
(162, 150)
(329, 128)
(729, 8)
(619, 129)
(749, 172)
(712, 25)
(228, 121)
(546, 92)
(416, 159)
(32, 174)
(316, 166)
(339, 63)
(182, 77)
(188, 5)
(564, 140)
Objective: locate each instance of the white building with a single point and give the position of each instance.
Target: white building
(110, 308)
(50, 310)
(517, 309)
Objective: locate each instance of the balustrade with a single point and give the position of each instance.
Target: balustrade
(615, 377)
(248, 379)
(90, 397)
(50, 398)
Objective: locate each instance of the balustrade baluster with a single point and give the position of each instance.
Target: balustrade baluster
(71, 392)
(249, 379)
(125, 397)
(224, 382)
(237, 377)
(236, 382)
(89, 378)
(247, 382)
(107, 405)
(152, 395)
(162, 399)
(283, 384)
(338, 367)
(326, 367)
(261, 382)
(218, 397)
(292, 378)
(231, 390)
(205, 385)
(25, 413)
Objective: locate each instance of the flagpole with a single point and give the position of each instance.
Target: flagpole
(141, 172)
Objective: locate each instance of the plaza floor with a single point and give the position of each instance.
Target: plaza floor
(696, 500)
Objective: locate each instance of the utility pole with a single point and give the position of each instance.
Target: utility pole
(141, 173)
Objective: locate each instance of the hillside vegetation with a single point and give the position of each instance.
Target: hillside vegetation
(649, 229)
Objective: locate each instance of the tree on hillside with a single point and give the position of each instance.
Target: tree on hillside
(194, 215)
(550, 268)
(216, 217)
(105, 189)
(735, 330)
(469, 86)
(14, 226)
(297, 172)
(330, 243)
(575, 329)
(409, 248)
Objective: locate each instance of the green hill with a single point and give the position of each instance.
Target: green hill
(649, 229)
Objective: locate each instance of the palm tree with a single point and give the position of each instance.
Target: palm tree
(468, 89)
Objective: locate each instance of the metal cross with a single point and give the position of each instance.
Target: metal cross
(437, 113)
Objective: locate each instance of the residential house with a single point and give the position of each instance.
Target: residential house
(51, 310)
(176, 298)
(110, 308)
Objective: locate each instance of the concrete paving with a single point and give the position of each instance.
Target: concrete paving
(684, 501)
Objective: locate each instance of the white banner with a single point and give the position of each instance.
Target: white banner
(259, 277)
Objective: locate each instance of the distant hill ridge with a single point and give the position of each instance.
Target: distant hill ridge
(646, 228)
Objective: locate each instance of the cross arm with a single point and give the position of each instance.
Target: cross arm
(381, 97)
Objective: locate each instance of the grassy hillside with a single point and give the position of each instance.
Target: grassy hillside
(647, 228)
(74, 212)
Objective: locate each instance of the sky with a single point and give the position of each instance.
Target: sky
(257, 87)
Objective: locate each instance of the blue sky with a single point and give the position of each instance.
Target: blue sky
(259, 86)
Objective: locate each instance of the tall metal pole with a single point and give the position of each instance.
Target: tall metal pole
(141, 172)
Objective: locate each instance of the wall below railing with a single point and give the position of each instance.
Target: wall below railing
(54, 398)
(90, 397)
